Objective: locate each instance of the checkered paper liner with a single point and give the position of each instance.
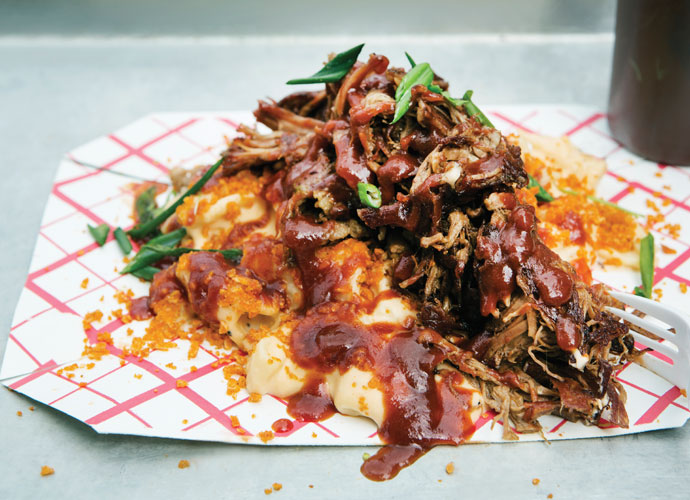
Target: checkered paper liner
(144, 397)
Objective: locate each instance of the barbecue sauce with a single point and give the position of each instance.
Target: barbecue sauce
(422, 409)
(515, 249)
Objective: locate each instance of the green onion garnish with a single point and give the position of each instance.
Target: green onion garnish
(145, 256)
(122, 240)
(145, 228)
(146, 273)
(145, 205)
(421, 74)
(334, 69)
(646, 267)
(99, 233)
(369, 195)
(542, 194)
(473, 110)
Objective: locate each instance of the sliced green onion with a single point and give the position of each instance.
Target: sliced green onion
(99, 233)
(646, 266)
(143, 229)
(145, 205)
(603, 202)
(369, 195)
(409, 58)
(473, 110)
(234, 254)
(146, 256)
(122, 240)
(334, 69)
(146, 273)
(542, 194)
(421, 74)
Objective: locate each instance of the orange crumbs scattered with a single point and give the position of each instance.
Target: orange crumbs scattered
(84, 283)
(138, 375)
(550, 495)
(535, 481)
(82, 384)
(268, 491)
(19, 414)
(182, 383)
(185, 421)
(605, 227)
(450, 468)
(91, 317)
(277, 486)
(254, 397)
(683, 287)
(31, 408)
(47, 471)
(183, 464)
(234, 421)
(266, 436)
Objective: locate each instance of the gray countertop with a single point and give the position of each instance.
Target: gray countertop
(57, 93)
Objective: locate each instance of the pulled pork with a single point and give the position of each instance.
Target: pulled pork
(513, 317)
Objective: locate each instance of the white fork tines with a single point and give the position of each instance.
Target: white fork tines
(676, 346)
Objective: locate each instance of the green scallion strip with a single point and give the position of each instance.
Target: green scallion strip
(473, 110)
(146, 256)
(234, 254)
(603, 202)
(334, 69)
(143, 229)
(146, 273)
(421, 74)
(409, 58)
(369, 195)
(122, 240)
(646, 266)
(542, 194)
(145, 205)
(99, 233)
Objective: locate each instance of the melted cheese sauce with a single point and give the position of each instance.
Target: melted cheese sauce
(255, 304)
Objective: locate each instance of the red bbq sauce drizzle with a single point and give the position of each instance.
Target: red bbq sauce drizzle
(312, 403)
(139, 309)
(515, 249)
(420, 411)
(282, 425)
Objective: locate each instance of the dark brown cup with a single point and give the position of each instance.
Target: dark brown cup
(649, 103)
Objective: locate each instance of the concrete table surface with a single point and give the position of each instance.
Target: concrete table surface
(58, 93)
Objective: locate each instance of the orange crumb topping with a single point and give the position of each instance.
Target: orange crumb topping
(604, 227)
(254, 397)
(47, 471)
(138, 375)
(683, 287)
(84, 283)
(268, 491)
(185, 421)
(277, 486)
(234, 421)
(535, 481)
(182, 383)
(91, 317)
(183, 464)
(19, 414)
(31, 408)
(450, 468)
(266, 436)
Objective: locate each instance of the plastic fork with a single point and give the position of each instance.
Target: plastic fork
(676, 346)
